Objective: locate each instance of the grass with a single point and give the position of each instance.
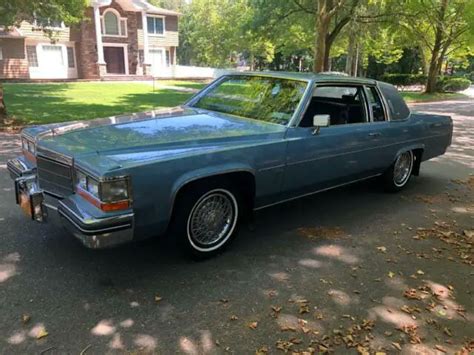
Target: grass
(411, 96)
(183, 84)
(49, 103)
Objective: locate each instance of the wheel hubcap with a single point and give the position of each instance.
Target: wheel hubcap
(212, 219)
(402, 168)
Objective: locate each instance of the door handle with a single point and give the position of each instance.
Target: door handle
(375, 134)
(436, 125)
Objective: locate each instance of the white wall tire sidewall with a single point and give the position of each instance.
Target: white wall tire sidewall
(221, 243)
(409, 173)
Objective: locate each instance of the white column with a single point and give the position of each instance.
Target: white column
(146, 54)
(98, 34)
(174, 56)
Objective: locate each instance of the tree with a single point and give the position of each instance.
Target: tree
(441, 28)
(13, 12)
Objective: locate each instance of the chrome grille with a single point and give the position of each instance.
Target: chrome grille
(54, 177)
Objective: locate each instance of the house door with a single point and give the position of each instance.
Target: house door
(157, 59)
(115, 59)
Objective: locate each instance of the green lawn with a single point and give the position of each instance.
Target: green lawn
(439, 96)
(47, 103)
(182, 83)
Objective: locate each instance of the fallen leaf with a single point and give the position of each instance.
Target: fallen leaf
(262, 350)
(42, 334)
(391, 275)
(276, 309)
(304, 308)
(253, 325)
(382, 249)
(440, 348)
(420, 272)
(158, 298)
(233, 317)
(397, 346)
(25, 318)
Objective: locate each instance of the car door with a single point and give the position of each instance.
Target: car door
(337, 154)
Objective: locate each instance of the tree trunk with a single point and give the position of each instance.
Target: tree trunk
(3, 108)
(437, 54)
(322, 28)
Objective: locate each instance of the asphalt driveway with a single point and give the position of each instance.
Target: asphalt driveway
(354, 269)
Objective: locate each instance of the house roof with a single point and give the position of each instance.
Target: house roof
(11, 32)
(136, 6)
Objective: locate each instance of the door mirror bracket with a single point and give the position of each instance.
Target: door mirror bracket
(320, 121)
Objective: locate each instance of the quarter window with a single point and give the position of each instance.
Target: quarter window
(375, 104)
(343, 104)
(156, 25)
(32, 56)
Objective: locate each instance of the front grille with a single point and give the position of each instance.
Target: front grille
(54, 177)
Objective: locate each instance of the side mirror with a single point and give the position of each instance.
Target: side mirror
(320, 121)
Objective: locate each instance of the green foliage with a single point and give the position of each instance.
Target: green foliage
(48, 103)
(68, 11)
(404, 79)
(447, 84)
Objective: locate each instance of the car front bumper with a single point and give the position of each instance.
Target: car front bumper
(94, 228)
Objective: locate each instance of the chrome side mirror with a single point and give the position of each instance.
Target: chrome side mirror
(320, 121)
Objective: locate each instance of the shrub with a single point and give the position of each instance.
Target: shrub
(453, 84)
(405, 79)
(470, 76)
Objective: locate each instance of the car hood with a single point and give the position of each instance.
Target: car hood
(113, 146)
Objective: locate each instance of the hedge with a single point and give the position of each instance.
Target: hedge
(444, 83)
(405, 79)
(452, 84)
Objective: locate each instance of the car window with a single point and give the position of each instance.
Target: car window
(396, 105)
(375, 104)
(260, 98)
(344, 105)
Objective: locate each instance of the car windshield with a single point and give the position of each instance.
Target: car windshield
(255, 97)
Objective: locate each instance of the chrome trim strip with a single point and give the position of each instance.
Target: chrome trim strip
(315, 192)
(272, 167)
(55, 156)
(364, 150)
(94, 231)
(104, 220)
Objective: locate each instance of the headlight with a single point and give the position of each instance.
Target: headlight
(28, 145)
(115, 190)
(109, 195)
(88, 184)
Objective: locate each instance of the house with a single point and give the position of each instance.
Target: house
(117, 39)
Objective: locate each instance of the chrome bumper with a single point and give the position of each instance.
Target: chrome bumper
(74, 213)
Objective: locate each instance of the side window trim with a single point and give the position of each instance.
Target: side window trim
(384, 103)
(339, 84)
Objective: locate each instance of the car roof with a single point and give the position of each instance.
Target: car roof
(309, 76)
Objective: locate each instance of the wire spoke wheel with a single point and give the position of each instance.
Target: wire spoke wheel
(212, 220)
(402, 168)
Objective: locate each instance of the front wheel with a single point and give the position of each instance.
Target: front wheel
(398, 175)
(206, 219)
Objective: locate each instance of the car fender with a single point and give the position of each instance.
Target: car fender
(407, 148)
(206, 172)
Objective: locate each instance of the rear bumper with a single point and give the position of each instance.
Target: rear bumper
(95, 229)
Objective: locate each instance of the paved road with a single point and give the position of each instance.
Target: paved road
(345, 267)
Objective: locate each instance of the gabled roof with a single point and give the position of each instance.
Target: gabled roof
(136, 6)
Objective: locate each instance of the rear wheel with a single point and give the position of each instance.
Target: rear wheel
(206, 218)
(398, 175)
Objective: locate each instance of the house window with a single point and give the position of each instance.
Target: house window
(156, 25)
(113, 24)
(32, 56)
(53, 55)
(1, 53)
(48, 23)
(141, 57)
(168, 58)
(70, 57)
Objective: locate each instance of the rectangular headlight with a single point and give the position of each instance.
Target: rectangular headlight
(114, 190)
(109, 195)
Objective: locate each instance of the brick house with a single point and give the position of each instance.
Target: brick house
(118, 39)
